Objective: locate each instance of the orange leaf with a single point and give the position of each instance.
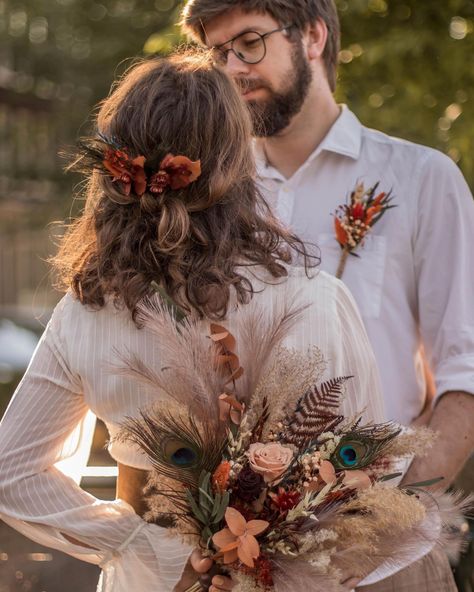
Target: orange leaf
(231, 401)
(327, 472)
(235, 375)
(230, 360)
(357, 479)
(379, 198)
(341, 234)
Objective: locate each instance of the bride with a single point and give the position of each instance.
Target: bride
(171, 203)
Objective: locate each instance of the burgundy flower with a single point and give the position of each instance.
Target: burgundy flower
(285, 500)
(159, 182)
(249, 485)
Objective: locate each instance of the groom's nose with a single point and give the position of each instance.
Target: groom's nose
(235, 67)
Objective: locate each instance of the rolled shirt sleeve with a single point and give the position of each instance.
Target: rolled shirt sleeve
(444, 267)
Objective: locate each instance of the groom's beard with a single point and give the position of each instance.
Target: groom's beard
(275, 114)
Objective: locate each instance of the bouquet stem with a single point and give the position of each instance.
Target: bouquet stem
(342, 263)
(195, 588)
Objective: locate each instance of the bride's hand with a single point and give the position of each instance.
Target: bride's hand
(199, 565)
(221, 584)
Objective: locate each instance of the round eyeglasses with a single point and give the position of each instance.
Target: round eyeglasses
(248, 46)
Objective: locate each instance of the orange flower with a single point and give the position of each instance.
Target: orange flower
(126, 171)
(238, 540)
(341, 234)
(380, 197)
(371, 213)
(220, 478)
(181, 170)
(116, 162)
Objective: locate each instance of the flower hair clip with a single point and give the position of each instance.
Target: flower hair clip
(174, 172)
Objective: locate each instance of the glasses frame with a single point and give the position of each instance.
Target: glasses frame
(263, 36)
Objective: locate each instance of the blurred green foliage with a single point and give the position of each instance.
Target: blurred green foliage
(407, 68)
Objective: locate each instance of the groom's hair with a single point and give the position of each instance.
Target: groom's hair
(300, 13)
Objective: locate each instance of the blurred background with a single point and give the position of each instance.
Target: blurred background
(407, 68)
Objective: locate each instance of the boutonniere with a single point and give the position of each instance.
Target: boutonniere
(352, 221)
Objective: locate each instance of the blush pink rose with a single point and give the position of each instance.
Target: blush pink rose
(269, 460)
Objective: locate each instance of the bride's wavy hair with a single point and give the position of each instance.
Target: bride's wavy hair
(193, 241)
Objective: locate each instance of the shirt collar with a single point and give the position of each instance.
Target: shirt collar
(344, 137)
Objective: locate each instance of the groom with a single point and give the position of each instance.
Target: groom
(414, 277)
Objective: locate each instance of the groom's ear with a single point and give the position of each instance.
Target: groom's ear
(316, 36)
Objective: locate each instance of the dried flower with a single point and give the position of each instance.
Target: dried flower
(159, 182)
(238, 540)
(181, 170)
(176, 172)
(353, 221)
(126, 171)
(285, 500)
(249, 485)
(220, 478)
(270, 460)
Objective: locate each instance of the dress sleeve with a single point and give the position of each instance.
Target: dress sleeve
(364, 391)
(444, 267)
(44, 504)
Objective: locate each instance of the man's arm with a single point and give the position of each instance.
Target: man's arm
(452, 418)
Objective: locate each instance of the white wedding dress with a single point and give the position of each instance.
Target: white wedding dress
(71, 373)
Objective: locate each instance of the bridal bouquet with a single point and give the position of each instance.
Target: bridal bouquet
(255, 462)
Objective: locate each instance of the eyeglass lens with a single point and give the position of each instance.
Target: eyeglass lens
(248, 47)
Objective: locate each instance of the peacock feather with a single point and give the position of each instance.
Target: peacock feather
(177, 446)
(316, 413)
(360, 447)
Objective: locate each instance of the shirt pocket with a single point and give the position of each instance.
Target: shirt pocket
(363, 275)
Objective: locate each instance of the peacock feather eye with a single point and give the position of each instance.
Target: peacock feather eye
(348, 455)
(351, 454)
(179, 454)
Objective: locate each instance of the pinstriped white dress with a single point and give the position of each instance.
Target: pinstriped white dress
(70, 373)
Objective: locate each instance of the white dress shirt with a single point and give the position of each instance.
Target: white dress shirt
(414, 279)
(72, 373)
